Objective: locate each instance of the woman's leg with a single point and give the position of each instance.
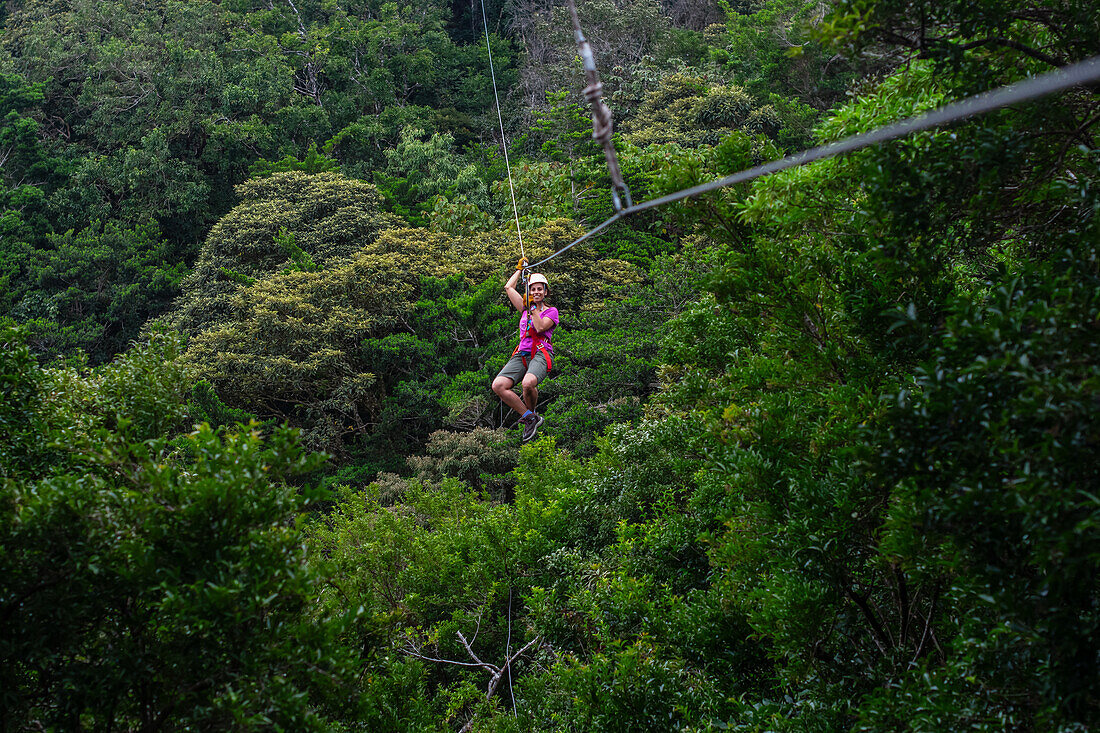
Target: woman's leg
(530, 390)
(502, 387)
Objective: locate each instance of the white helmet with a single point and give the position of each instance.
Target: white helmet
(538, 278)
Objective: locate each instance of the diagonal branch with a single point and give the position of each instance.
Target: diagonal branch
(1016, 45)
(498, 676)
(473, 656)
(495, 682)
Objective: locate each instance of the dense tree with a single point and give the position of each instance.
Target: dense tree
(621, 32)
(911, 271)
(161, 109)
(27, 171)
(326, 216)
(689, 111)
(1050, 32)
(99, 287)
(120, 103)
(419, 170)
(776, 51)
(138, 590)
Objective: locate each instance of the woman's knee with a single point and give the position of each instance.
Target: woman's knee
(530, 381)
(502, 385)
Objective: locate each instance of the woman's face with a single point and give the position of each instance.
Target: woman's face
(538, 292)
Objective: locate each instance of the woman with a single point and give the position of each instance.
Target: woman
(532, 359)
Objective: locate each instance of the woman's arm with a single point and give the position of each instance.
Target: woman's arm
(541, 323)
(512, 293)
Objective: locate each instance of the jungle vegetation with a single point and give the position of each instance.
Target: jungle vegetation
(819, 451)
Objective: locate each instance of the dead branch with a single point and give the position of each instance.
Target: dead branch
(411, 649)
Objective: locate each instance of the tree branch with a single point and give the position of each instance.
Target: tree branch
(1017, 46)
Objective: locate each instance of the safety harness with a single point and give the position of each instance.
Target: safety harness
(537, 344)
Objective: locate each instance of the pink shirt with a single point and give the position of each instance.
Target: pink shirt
(525, 333)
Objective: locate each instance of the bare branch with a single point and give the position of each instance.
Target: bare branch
(470, 651)
(412, 651)
(493, 683)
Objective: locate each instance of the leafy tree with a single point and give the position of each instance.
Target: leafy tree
(137, 590)
(688, 111)
(329, 216)
(162, 110)
(988, 450)
(20, 416)
(28, 171)
(480, 458)
(693, 15)
(875, 274)
(774, 48)
(313, 162)
(620, 33)
(437, 565)
(817, 448)
(1052, 33)
(26, 174)
(562, 131)
(114, 112)
(419, 170)
(94, 290)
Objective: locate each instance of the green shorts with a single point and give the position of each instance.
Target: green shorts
(513, 369)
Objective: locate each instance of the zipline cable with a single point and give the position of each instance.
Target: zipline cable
(500, 119)
(1081, 73)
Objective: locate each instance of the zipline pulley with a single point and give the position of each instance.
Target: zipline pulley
(601, 116)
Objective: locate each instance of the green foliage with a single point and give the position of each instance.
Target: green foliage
(285, 221)
(948, 32)
(291, 348)
(896, 575)
(122, 103)
(996, 493)
(313, 162)
(300, 261)
(438, 373)
(609, 365)
(27, 167)
(20, 399)
(562, 131)
(435, 565)
(137, 589)
(621, 34)
(602, 372)
(773, 47)
(719, 209)
(418, 170)
(204, 406)
(817, 449)
(633, 687)
(95, 289)
(481, 458)
(686, 110)
(159, 112)
(548, 569)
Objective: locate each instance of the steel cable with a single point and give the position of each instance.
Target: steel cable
(1084, 72)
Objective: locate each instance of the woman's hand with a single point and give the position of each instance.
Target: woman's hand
(514, 297)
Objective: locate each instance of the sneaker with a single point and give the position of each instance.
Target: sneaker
(531, 426)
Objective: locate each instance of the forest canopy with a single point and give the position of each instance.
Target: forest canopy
(818, 450)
